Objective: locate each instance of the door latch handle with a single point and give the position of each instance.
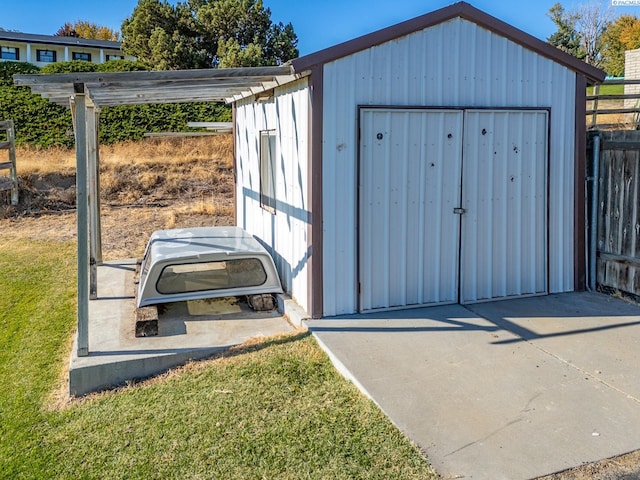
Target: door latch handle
(459, 211)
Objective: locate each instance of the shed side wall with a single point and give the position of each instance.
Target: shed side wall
(453, 64)
(284, 232)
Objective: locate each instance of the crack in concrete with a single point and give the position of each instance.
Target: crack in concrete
(486, 437)
(584, 372)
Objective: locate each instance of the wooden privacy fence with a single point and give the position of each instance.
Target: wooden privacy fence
(10, 145)
(618, 237)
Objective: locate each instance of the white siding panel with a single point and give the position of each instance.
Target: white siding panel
(285, 232)
(453, 64)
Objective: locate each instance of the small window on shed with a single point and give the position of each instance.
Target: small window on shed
(198, 277)
(268, 170)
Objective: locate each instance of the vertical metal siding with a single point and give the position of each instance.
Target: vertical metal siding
(285, 232)
(456, 63)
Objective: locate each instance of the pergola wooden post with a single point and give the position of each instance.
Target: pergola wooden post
(93, 172)
(79, 112)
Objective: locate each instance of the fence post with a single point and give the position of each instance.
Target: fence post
(596, 93)
(10, 145)
(95, 250)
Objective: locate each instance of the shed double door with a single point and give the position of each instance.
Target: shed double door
(452, 206)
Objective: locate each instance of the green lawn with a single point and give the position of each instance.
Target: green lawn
(608, 90)
(274, 410)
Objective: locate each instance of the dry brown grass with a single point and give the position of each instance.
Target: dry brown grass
(150, 185)
(37, 161)
(617, 121)
(149, 150)
(132, 173)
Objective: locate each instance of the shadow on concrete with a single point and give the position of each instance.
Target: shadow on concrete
(517, 316)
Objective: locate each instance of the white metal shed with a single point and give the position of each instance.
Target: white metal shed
(440, 160)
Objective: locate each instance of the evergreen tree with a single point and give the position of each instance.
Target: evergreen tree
(566, 37)
(207, 33)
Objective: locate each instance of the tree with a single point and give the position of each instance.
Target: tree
(593, 21)
(622, 34)
(566, 36)
(86, 29)
(580, 31)
(163, 36)
(207, 33)
(92, 30)
(66, 30)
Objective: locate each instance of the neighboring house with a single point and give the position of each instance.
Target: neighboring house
(440, 160)
(41, 50)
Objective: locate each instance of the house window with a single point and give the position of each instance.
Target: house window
(115, 57)
(10, 53)
(268, 170)
(48, 56)
(81, 56)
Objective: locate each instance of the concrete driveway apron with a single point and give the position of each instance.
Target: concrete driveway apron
(512, 389)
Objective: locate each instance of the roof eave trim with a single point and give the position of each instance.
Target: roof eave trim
(278, 82)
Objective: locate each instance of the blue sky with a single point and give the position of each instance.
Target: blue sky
(319, 24)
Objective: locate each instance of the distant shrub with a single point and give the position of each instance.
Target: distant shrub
(121, 66)
(131, 122)
(40, 122)
(37, 121)
(8, 69)
(74, 66)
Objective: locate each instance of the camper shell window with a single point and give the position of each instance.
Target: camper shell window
(198, 277)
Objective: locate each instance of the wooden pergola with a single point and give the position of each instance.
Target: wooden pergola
(85, 93)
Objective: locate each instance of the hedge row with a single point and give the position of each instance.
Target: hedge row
(42, 123)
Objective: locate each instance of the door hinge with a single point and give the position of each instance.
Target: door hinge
(459, 211)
